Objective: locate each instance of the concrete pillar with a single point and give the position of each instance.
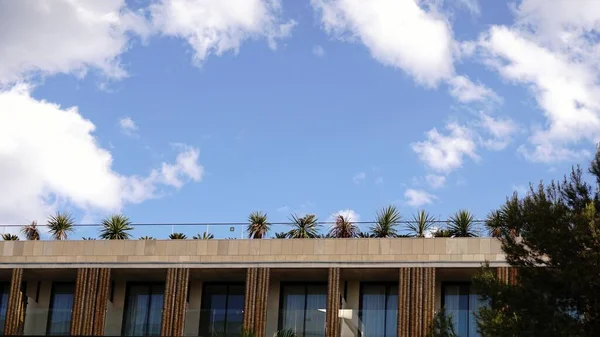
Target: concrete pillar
(192, 317)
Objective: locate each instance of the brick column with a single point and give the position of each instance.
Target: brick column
(507, 275)
(332, 319)
(255, 300)
(89, 302)
(416, 297)
(15, 311)
(173, 313)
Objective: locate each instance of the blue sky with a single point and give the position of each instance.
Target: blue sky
(203, 111)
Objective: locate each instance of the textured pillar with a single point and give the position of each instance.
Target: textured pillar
(416, 298)
(173, 314)
(404, 303)
(256, 299)
(507, 275)
(16, 305)
(332, 319)
(250, 298)
(89, 301)
(429, 298)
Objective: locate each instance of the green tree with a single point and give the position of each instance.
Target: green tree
(177, 236)
(60, 225)
(441, 325)
(365, 235)
(343, 228)
(116, 227)
(88, 238)
(551, 236)
(258, 226)
(306, 227)
(31, 231)
(422, 223)
(442, 233)
(281, 235)
(462, 224)
(386, 222)
(146, 238)
(9, 237)
(203, 236)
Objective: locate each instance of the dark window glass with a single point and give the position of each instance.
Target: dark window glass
(460, 302)
(4, 291)
(222, 310)
(379, 310)
(143, 309)
(303, 309)
(61, 309)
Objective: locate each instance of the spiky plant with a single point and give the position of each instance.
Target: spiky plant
(441, 325)
(9, 237)
(386, 222)
(31, 231)
(343, 228)
(306, 227)
(493, 223)
(421, 224)
(146, 238)
(88, 238)
(116, 227)
(281, 235)
(285, 333)
(60, 225)
(365, 235)
(177, 236)
(203, 236)
(258, 226)
(461, 224)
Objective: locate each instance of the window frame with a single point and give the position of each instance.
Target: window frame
(51, 305)
(128, 286)
(202, 299)
(282, 285)
(457, 283)
(388, 287)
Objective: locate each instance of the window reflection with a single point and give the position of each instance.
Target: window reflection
(303, 309)
(222, 310)
(379, 310)
(61, 309)
(460, 302)
(143, 309)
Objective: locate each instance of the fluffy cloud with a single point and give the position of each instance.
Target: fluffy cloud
(64, 36)
(418, 198)
(500, 131)
(318, 51)
(348, 214)
(359, 177)
(49, 157)
(552, 49)
(218, 26)
(435, 181)
(465, 91)
(128, 126)
(398, 33)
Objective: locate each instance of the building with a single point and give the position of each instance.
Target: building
(316, 287)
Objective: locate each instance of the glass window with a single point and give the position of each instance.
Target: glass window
(379, 310)
(303, 309)
(222, 310)
(61, 309)
(143, 309)
(4, 291)
(463, 305)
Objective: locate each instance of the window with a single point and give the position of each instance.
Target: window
(462, 304)
(222, 310)
(303, 309)
(379, 309)
(4, 291)
(143, 309)
(61, 309)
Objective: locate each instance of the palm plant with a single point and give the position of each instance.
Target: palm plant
(9, 237)
(461, 224)
(386, 222)
(203, 236)
(146, 238)
(177, 236)
(281, 235)
(421, 225)
(60, 225)
(305, 227)
(88, 238)
(493, 223)
(343, 228)
(31, 231)
(365, 235)
(116, 227)
(258, 227)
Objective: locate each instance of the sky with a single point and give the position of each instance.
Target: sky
(178, 111)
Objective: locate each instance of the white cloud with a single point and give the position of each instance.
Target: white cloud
(348, 214)
(128, 126)
(49, 157)
(471, 5)
(435, 181)
(359, 177)
(65, 36)
(445, 153)
(465, 91)
(398, 33)
(218, 26)
(418, 198)
(501, 131)
(318, 51)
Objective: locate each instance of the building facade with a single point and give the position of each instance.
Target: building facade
(315, 287)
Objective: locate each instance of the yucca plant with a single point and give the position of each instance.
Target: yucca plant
(203, 236)
(343, 228)
(60, 225)
(365, 235)
(306, 227)
(116, 227)
(31, 231)
(281, 235)
(386, 222)
(177, 236)
(258, 226)
(9, 237)
(493, 223)
(285, 333)
(461, 224)
(146, 238)
(421, 224)
(88, 238)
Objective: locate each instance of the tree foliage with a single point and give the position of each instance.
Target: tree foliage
(9, 237)
(177, 236)
(116, 227)
(441, 326)
(552, 237)
(31, 231)
(462, 224)
(60, 225)
(258, 226)
(386, 222)
(422, 223)
(343, 228)
(306, 227)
